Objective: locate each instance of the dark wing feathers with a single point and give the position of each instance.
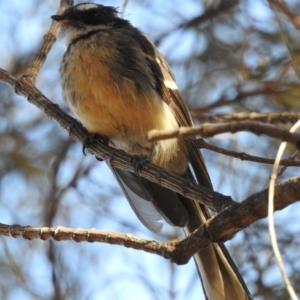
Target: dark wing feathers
(139, 200)
(142, 196)
(170, 94)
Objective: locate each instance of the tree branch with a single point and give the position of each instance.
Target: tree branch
(273, 117)
(209, 130)
(117, 158)
(217, 229)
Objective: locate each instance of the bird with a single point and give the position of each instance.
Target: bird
(119, 86)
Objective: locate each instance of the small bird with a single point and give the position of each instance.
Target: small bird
(119, 86)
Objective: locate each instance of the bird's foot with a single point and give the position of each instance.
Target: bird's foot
(92, 138)
(137, 161)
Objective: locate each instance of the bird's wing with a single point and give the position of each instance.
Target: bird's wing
(220, 277)
(151, 202)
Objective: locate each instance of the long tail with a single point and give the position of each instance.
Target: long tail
(221, 279)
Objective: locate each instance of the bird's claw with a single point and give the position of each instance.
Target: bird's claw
(92, 138)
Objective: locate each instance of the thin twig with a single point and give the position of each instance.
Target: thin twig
(272, 231)
(284, 9)
(49, 40)
(124, 5)
(202, 144)
(291, 159)
(272, 118)
(285, 40)
(209, 130)
(269, 88)
(211, 12)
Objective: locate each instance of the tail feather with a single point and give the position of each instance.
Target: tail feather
(220, 277)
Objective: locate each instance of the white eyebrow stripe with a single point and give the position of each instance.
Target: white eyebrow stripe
(86, 6)
(170, 84)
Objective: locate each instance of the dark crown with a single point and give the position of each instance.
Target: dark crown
(91, 14)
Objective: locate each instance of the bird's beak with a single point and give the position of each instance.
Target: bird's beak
(61, 19)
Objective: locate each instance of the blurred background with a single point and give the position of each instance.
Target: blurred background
(228, 56)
